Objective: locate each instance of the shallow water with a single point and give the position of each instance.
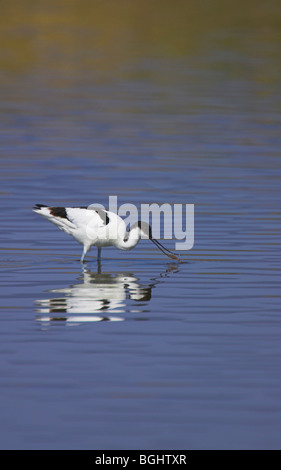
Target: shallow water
(141, 352)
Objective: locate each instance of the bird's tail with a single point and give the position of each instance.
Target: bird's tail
(42, 209)
(56, 215)
(38, 206)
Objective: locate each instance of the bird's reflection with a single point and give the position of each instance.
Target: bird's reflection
(98, 296)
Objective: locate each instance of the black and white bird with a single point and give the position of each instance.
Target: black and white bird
(92, 226)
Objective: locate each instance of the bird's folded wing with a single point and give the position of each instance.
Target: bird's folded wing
(83, 216)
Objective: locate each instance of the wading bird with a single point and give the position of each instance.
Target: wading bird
(92, 226)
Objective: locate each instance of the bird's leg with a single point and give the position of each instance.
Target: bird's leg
(99, 267)
(99, 255)
(83, 255)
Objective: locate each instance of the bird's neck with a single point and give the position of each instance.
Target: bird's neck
(130, 239)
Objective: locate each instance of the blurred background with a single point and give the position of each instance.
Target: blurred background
(153, 101)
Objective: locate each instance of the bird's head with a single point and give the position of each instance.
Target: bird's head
(146, 232)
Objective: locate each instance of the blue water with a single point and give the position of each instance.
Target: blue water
(142, 352)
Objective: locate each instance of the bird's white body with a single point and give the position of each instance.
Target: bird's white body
(92, 226)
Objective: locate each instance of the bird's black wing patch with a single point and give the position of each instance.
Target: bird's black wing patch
(103, 215)
(101, 212)
(58, 212)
